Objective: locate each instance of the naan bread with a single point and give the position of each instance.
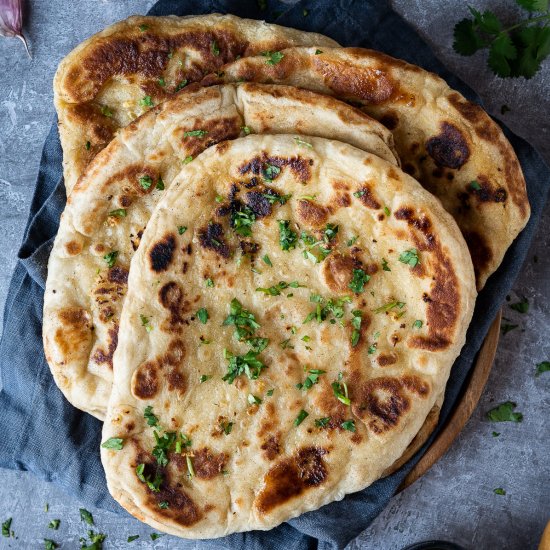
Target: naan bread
(118, 74)
(109, 209)
(358, 287)
(443, 140)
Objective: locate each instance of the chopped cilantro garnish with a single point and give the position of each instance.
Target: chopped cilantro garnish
(475, 185)
(387, 211)
(504, 413)
(506, 327)
(118, 213)
(160, 184)
(182, 229)
(348, 425)
(323, 310)
(202, 314)
(111, 258)
(372, 348)
(88, 145)
(96, 540)
(316, 251)
(146, 182)
(317, 52)
(143, 28)
(248, 364)
(390, 305)
(49, 544)
(161, 82)
(105, 111)
(226, 427)
(257, 344)
(54, 524)
(115, 443)
(163, 445)
(204, 378)
(542, 367)
(305, 338)
(152, 419)
(281, 285)
(302, 415)
(353, 240)
(86, 516)
(286, 344)
(187, 160)
(274, 197)
(287, 237)
(164, 504)
(270, 172)
(243, 319)
(6, 527)
(359, 193)
(300, 141)
(417, 324)
(132, 538)
(341, 391)
(181, 85)
(195, 133)
(385, 265)
(154, 484)
(253, 399)
(269, 393)
(155, 536)
(356, 324)
(145, 323)
(359, 280)
(267, 260)
(499, 491)
(209, 282)
(246, 130)
(273, 57)
(322, 422)
(146, 101)
(522, 306)
(242, 219)
(214, 48)
(190, 469)
(410, 257)
(496, 434)
(311, 379)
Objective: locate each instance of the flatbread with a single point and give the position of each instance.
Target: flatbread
(191, 365)
(109, 209)
(118, 74)
(443, 140)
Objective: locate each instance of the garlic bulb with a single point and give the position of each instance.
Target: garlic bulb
(11, 19)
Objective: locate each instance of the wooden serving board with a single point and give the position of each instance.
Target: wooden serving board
(475, 383)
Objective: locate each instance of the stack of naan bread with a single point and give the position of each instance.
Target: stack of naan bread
(267, 262)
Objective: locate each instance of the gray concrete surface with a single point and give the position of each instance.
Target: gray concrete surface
(455, 500)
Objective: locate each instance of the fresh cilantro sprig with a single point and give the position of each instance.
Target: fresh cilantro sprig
(516, 50)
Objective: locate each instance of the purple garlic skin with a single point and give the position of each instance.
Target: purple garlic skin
(11, 20)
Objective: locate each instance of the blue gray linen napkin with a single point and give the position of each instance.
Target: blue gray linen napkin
(43, 433)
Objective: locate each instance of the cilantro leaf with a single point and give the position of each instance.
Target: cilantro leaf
(6, 528)
(273, 57)
(359, 280)
(542, 367)
(466, 39)
(86, 516)
(132, 538)
(499, 491)
(248, 364)
(410, 257)
(49, 544)
(504, 413)
(501, 52)
(287, 237)
(302, 415)
(202, 315)
(522, 306)
(152, 419)
(115, 443)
